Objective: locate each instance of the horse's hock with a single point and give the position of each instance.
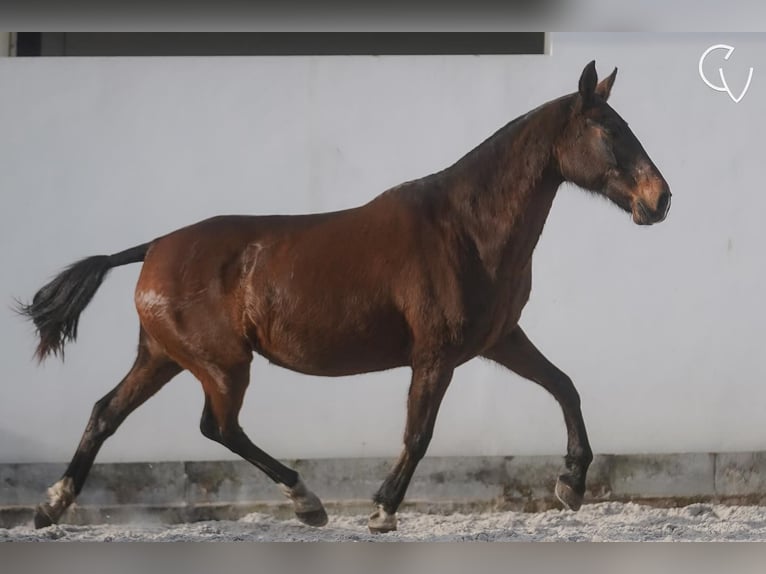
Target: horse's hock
(171, 492)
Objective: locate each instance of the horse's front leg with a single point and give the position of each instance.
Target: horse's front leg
(430, 380)
(518, 354)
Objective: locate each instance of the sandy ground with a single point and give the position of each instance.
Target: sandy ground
(598, 522)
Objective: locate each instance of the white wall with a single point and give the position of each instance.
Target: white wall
(661, 328)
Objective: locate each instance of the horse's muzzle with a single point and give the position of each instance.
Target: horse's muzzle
(644, 215)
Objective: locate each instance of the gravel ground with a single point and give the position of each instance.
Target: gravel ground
(611, 521)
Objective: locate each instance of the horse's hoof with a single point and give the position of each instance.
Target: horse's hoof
(42, 518)
(381, 522)
(567, 494)
(313, 517)
(60, 496)
(308, 507)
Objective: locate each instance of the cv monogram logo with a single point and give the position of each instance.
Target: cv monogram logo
(724, 87)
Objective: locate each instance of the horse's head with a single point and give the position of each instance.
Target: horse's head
(599, 152)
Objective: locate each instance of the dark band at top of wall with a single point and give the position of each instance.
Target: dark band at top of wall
(277, 43)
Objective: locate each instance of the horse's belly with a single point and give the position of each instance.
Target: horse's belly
(333, 343)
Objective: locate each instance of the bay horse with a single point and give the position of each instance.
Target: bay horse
(429, 274)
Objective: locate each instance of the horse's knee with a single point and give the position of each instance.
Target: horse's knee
(563, 386)
(572, 396)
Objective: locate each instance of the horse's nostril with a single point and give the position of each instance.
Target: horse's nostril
(664, 202)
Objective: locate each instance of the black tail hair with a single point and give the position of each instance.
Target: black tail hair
(55, 309)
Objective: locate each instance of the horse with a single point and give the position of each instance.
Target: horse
(429, 274)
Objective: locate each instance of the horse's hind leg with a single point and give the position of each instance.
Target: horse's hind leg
(429, 383)
(150, 371)
(224, 393)
(518, 354)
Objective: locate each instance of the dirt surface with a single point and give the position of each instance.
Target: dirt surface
(612, 521)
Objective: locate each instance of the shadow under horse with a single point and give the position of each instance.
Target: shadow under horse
(429, 274)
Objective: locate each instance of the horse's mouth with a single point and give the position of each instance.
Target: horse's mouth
(641, 215)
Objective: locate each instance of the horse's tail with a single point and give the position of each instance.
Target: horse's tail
(56, 307)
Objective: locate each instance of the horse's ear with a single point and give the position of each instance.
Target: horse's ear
(604, 87)
(588, 81)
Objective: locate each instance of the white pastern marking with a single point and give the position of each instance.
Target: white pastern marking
(61, 494)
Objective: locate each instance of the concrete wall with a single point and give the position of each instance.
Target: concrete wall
(186, 491)
(661, 328)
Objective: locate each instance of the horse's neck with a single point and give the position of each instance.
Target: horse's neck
(504, 190)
